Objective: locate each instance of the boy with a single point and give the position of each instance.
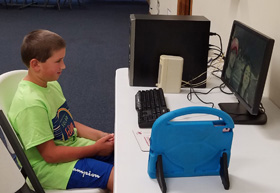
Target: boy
(64, 153)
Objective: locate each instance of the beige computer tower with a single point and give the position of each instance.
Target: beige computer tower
(170, 73)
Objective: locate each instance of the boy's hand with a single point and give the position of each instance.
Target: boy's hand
(105, 145)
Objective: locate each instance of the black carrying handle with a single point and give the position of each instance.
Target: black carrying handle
(160, 174)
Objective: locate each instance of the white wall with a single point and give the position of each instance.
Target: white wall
(262, 15)
(163, 7)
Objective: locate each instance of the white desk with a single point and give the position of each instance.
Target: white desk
(255, 159)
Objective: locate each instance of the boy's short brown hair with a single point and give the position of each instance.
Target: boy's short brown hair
(40, 44)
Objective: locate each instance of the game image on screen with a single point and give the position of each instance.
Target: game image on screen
(245, 71)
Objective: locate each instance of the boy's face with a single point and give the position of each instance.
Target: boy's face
(52, 68)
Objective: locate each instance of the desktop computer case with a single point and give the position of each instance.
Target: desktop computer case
(154, 35)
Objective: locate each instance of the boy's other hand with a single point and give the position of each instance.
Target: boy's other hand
(105, 145)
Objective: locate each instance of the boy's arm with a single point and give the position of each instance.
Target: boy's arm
(57, 154)
(88, 132)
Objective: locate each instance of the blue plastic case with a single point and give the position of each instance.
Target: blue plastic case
(191, 148)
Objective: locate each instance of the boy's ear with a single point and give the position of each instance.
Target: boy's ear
(34, 64)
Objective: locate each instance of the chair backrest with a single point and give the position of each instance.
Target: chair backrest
(8, 86)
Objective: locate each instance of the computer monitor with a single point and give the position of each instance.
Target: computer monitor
(244, 73)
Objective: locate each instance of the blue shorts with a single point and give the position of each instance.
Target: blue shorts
(91, 172)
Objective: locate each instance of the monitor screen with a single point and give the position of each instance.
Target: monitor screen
(245, 71)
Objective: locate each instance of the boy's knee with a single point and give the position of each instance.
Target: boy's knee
(110, 184)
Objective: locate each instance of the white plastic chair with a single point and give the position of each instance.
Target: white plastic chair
(8, 86)
(11, 179)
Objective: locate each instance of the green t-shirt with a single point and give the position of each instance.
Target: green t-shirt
(40, 114)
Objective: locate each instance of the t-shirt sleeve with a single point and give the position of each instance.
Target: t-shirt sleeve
(34, 127)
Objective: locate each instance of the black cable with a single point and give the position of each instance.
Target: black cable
(189, 97)
(216, 49)
(192, 91)
(210, 45)
(222, 86)
(214, 71)
(221, 45)
(212, 34)
(216, 58)
(217, 54)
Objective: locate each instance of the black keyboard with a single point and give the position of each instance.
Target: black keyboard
(150, 104)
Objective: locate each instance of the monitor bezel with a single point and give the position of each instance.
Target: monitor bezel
(254, 109)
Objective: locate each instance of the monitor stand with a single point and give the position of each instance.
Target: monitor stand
(241, 116)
